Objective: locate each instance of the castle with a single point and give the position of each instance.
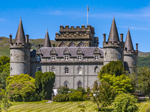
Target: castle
(76, 58)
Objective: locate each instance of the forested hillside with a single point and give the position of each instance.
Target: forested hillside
(144, 61)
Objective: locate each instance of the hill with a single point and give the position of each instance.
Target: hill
(4, 45)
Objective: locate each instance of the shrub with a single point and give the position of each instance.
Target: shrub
(63, 90)
(125, 103)
(21, 88)
(61, 98)
(77, 96)
(80, 89)
(44, 83)
(72, 90)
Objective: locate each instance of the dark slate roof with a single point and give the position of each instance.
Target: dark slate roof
(128, 42)
(20, 36)
(47, 41)
(87, 51)
(113, 35)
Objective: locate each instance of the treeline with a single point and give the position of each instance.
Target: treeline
(143, 62)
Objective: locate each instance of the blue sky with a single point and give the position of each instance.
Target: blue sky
(39, 15)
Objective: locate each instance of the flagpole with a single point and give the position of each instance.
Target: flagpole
(87, 13)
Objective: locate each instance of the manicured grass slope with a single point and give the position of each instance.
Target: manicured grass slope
(42, 106)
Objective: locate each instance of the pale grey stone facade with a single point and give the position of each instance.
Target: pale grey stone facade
(76, 59)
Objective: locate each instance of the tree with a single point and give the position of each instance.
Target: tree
(120, 83)
(44, 83)
(62, 90)
(21, 88)
(103, 94)
(113, 68)
(125, 103)
(144, 80)
(3, 60)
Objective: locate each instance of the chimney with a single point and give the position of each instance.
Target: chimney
(104, 37)
(121, 37)
(27, 38)
(10, 39)
(137, 46)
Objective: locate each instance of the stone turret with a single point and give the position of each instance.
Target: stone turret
(113, 48)
(20, 53)
(47, 42)
(130, 55)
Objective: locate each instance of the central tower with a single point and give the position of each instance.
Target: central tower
(113, 48)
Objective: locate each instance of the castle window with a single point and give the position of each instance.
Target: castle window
(71, 44)
(48, 59)
(133, 62)
(96, 69)
(38, 58)
(81, 44)
(53, 58)
(66, 58)
(79, 84)
(62, 44)
(96, 57)
(38, 69)
(66, 70)
(79, 58)
(79, 70)
(53, 69)
(119, 55)
(66, 83)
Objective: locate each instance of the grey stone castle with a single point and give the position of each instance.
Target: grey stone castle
(76, 58)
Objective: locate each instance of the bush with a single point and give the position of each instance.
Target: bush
(21, 88)
(80, 89)
(77, 96)
(72, 90)
(61, 98)
(63, 90)
(125, 103)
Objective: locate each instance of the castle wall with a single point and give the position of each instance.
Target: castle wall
(19, 61)
(130, 63)
(113, 54)
(87, 77)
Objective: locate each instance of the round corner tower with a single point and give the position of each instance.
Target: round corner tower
(20, 53)
(113, 48)
(130, 55)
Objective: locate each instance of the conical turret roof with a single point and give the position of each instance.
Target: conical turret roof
(128, 42)
(113, 35)
(20, 36)
(47, 41)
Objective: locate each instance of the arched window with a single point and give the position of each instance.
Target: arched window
(71, 44)
(25, 70)
(62, 44)
(66, 83)
(79, 70)
(38, 69)
(53, 69)
(81, 44)
(96, 69)
(79, 84)
(66, 70)
(38, 58)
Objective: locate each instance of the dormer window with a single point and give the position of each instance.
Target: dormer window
(96, 57)
(53, 58)
(66, 70)
(79, 58)
(66, 58)
(38, 58)
(48, 59)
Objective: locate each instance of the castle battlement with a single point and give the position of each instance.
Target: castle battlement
(113, 44)
(79, 29)
(72, 35)
(20, 46)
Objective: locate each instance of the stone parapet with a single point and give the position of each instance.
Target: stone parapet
(113, 44)
(20, 46)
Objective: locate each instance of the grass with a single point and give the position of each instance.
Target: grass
(80, 106)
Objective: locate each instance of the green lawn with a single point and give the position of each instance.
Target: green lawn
(42, 106)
